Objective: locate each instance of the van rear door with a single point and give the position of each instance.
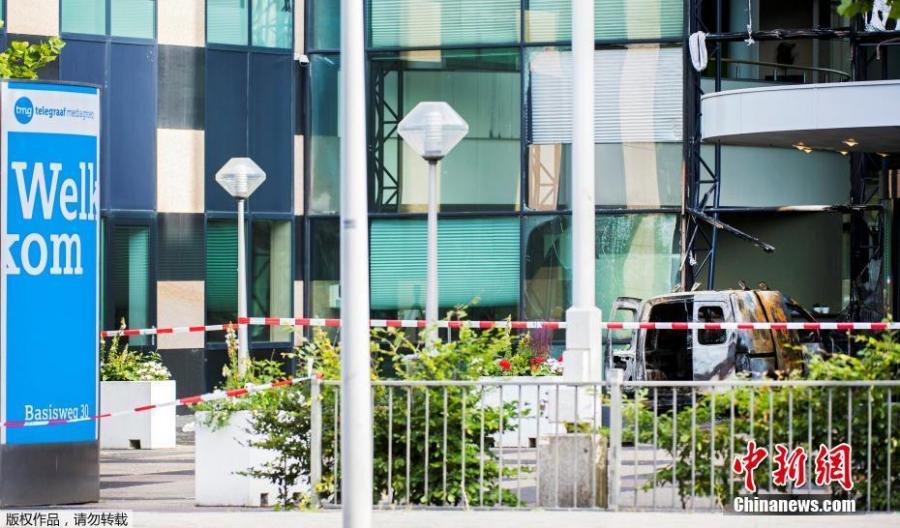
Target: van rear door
(621, 344)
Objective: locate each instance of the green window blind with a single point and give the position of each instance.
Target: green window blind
(130, 277)
(221, 272)
(551, 20)
(84, 16)
(476, 258)
(133, 18)
(412, 23)
(226, 21)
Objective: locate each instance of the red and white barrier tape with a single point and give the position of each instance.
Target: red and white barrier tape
(335, 323)
(190, 400)
(515, 325)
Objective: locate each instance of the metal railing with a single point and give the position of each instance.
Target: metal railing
(777, 68)
(545, 442)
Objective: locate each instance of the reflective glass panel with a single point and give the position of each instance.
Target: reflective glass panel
(324, 143)
(551, 20)
(273, 23)
(637, 127)
(133, 18)
(84, 16)
(427, 23)
(482, 171)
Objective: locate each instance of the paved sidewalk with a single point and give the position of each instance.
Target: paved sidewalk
(158, 486)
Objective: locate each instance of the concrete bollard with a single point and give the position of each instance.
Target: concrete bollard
(573, 472)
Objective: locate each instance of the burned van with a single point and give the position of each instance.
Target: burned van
(695, 355)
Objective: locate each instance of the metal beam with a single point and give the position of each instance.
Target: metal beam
(718, 224)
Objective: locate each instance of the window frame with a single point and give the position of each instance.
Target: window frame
(250, 45)
(296, 222)
(523, 212)
(107, 36)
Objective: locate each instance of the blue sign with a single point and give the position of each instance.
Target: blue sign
(50, 275)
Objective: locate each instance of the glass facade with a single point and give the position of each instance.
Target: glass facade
(270, 277)
(324, 155)
(324, 268)
(324, 28)
(129, 279)
(269, 280)
(133, 18)
(118, 18)
(83, 16)
(482, 172)
(417, 24)
(504, 191)
(614, 20)
(637, 126)
(226, 22)
(221, 272)
(259, 23)
(637, 256)
(273, 23)
(478, 266)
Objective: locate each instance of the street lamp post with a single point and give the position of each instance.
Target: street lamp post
(432, 129)
(240, 177)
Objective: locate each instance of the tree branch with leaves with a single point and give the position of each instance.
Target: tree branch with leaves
(23, 60)
(851, 8)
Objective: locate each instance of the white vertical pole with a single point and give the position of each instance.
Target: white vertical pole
(431, 291)
(243, 352)
(583, 153)
(356, 413)
(583, 352)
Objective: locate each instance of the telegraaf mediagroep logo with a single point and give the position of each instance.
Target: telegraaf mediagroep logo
(24, 110)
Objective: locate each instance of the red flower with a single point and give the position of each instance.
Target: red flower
(536, 361)
(504, 364)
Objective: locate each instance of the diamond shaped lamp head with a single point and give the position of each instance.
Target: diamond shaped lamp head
(432, 129)
(240, 177)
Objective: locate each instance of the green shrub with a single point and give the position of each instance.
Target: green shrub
(122, 364)
(258, 371)
(790, 416)
(284, 421)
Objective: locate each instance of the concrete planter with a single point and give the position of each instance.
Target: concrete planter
(147, 430)
(533, 401)
(221, 455)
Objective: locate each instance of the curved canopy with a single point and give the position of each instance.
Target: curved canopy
(842, 117)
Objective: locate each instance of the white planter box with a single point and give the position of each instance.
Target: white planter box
(526, 432)
(221, 455)
(145, 430)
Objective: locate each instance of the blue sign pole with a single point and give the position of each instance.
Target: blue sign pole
(49, 291)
